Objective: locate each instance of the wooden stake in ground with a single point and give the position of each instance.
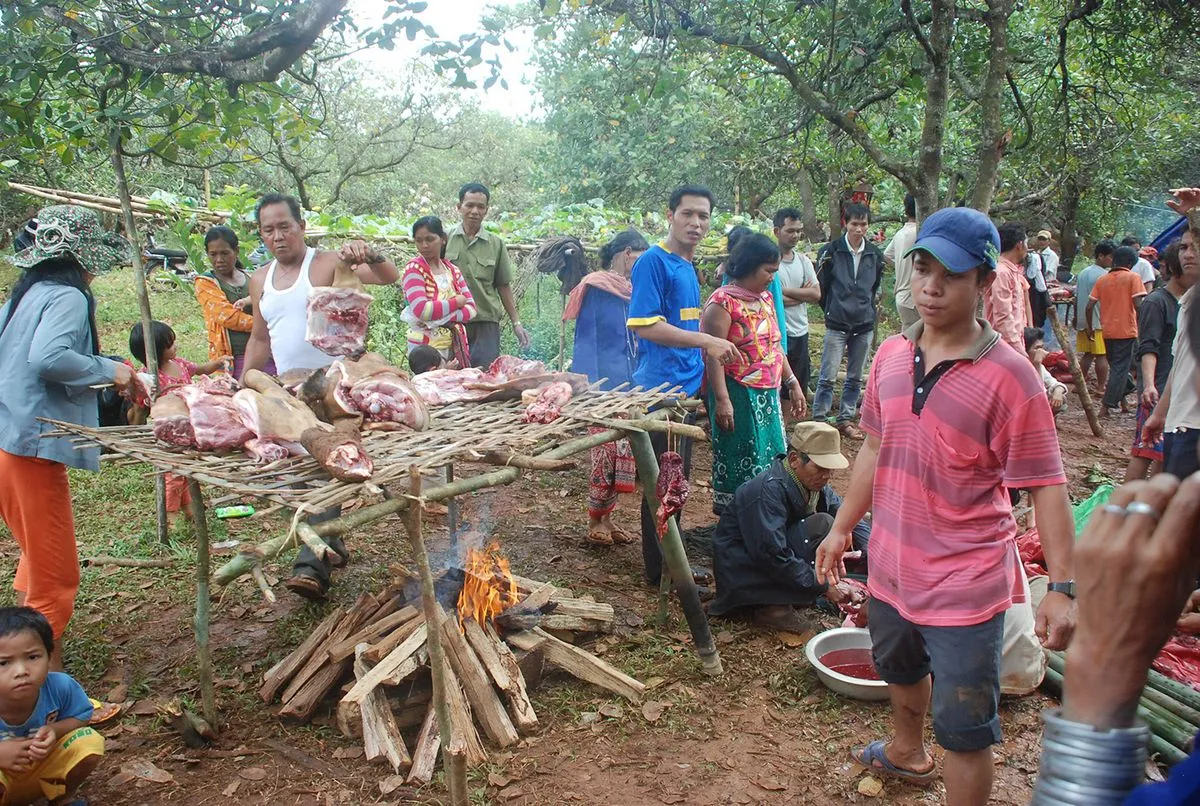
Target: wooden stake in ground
(1085, 397)
(117, 157)
(437, 657)
(208, 698)
(675, 559)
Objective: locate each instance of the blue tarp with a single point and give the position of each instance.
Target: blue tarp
(1169, 235)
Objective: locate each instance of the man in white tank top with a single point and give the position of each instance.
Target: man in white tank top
(280, 310)
(280, 299)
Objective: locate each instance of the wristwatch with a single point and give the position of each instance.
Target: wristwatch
(1066, 588)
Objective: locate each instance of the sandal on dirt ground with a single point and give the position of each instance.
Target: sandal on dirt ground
(621, 537)
(599, 536)
(103, 712)
(306, 587)
(875, 759)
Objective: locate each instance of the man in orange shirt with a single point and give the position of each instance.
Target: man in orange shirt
(1006, 301)
(1118, 293)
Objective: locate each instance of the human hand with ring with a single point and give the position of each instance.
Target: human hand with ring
(1135, 566)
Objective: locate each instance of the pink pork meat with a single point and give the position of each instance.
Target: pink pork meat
(215, 420)
(337, 320)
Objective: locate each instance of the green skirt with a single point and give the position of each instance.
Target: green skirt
(756, 439)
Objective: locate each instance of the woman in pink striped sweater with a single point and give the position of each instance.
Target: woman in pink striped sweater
(439, 301)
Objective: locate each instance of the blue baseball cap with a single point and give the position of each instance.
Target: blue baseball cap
(959, 238)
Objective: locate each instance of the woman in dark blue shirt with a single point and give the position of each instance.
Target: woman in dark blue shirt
(604, 351)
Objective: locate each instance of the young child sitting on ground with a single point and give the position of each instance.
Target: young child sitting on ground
(423, 358)
(1035, 349)
(46, 746)
(172, 371)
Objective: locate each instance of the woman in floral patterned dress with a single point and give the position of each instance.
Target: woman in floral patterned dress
(743, 397)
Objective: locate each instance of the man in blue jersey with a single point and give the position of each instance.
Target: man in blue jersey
(664, 313)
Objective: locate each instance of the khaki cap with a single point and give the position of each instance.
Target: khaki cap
(1045, 234)
(821, 442)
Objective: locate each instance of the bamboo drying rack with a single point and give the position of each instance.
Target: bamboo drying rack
(487, 433)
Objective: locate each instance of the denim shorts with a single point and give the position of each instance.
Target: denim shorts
(964, 661)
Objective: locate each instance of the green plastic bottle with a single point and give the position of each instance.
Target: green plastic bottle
(240, 511)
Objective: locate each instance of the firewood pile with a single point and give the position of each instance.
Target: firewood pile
(499, 632)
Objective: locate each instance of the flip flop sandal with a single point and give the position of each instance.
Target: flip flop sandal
(875, 759)
(621, 537)
(103, 712)
(702, 576)
(306, 587)
(599, 537)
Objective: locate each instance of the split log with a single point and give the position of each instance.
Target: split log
(1085, 396)
(579, 663)
(502, 667)
(412, 712)
(526, 585)
(320, 658)
(300, 707)
(384, 646)
(380, 733)
(282, 672)
(372, 632)
(429, 742)
(580, 616)
(407, 669)
(462, 725)
(538, 597)
(350, 707)
(485, 703)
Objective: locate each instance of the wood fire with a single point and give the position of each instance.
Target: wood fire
(488, 588)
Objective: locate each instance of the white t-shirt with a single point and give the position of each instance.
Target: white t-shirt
(1144, 269)
(796, 273)
(1049, 264)
(894, 252)
(1185, 407)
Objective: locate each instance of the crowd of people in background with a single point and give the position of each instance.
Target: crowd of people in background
(957, 411)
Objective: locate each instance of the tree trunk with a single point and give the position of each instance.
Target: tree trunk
(804, 184)
(993, 139)
(937, 93)
(1070, 236)
(117, 157)
(834, 199)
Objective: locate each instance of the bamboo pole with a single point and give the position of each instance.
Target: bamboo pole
(1081, 389)
(675, 558)
(272, 548)
(117, 157)
(455, 773)
(1175, 690)
(203, 655)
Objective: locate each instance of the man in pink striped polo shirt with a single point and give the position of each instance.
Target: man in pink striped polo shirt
(953, 416)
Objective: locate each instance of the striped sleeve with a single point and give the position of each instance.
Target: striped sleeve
(468, 311)
(416, 291)
(1027, 445)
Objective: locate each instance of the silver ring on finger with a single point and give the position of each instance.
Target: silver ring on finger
(1142, 508)
(1116, 509)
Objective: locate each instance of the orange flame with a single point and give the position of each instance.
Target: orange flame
(489, 586)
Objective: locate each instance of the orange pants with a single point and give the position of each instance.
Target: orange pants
(35, 502)
(178, 495)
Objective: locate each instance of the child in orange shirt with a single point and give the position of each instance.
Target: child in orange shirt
(1118, 293)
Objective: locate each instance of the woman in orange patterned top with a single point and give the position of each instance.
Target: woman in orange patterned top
(743, 396)
(224, 296)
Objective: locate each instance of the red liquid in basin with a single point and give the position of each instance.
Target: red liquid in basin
(855, 663)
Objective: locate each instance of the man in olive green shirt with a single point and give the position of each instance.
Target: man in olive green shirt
(484, 262)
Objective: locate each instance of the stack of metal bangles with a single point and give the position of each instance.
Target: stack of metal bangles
(1083, 766)
(1133, 508)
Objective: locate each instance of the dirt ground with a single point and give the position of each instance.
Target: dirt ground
(764, 732)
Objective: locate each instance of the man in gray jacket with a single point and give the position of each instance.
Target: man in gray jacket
(850, 270)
